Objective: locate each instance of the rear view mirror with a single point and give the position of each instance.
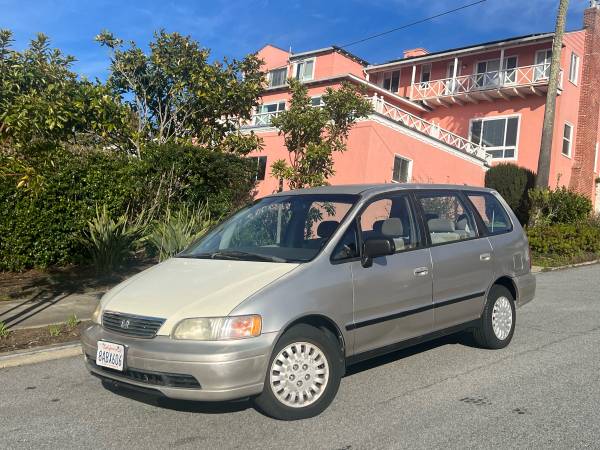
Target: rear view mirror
(373, 248)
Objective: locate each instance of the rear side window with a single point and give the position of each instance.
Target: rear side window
(494, 216)
(447, 218)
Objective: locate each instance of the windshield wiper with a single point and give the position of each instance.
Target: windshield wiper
(236, 255)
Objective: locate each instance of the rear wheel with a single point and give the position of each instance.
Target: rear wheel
(498, 319)
(303, 375)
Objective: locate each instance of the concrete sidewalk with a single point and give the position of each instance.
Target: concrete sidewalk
(47, 309)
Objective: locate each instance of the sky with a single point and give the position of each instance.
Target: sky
(234, 28)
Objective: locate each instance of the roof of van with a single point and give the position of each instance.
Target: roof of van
(377, 188)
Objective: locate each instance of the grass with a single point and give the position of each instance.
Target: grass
(4, 331)
(55, 330)
(72, 322)
(549, 261)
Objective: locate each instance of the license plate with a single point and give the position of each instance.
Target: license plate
(110, 355)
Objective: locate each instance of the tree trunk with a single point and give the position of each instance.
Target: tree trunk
(543, 171)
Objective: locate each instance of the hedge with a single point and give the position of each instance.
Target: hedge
(513, 183)
(42, 226)
(564, 239)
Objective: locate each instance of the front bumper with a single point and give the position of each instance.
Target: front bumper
(525, 288)
(224, 370)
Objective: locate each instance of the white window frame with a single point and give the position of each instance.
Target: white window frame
(303, 61)
(277, 102)
(408, 171)
(500, 69)
(574, 68)
(535, 73)
(569, 140)
(270, 77)
(596, 159)
(320, 97)
(506, 117)
(381, 79)
(423, 67)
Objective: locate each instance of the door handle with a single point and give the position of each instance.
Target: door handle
(485, 256)
(421, 271)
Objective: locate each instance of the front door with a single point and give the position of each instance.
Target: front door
(392, 298)
(462, 261)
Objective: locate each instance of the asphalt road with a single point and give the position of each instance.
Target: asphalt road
(543, 391)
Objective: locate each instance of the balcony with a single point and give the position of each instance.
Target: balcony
(486, 86)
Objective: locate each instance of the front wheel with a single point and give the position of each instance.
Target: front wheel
(303, 375)
(497, 324)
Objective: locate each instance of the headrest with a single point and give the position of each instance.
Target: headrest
(462, 222)
(392, 227)
(377, 226)
(440, 226)
(327, 228)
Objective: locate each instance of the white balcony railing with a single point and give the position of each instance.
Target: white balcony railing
(466, 84)
(263, 119)
(428, 128)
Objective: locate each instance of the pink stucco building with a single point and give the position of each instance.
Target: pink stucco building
(448, 116)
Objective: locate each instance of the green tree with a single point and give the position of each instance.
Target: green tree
(312, 135)
(42, 99)
(179, 96)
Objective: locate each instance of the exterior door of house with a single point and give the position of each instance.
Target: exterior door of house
(542, 64)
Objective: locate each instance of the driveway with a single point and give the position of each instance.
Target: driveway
(543, 391)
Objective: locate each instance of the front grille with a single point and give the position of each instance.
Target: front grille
(153, 378)
(137, 326)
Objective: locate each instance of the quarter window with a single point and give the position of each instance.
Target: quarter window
(498, 136)
(347, 248)
(567, 139)
(492, 213)
(574, 68)
(401, 171)
(304, 70)
(391, 218)
(277, 77)
(447, 218)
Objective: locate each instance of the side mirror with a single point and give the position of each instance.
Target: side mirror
(373, 248)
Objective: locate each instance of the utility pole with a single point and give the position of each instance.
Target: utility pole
(543, 172)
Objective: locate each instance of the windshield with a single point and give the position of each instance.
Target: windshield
(290, 228)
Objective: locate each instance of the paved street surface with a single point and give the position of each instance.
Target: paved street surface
(541, 392)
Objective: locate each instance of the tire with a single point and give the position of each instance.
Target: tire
(324, 373)
(485, 335)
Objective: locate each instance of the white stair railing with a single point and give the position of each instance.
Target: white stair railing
(429, 128)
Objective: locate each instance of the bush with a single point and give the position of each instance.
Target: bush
(564, 239)
(558, 206)
(41, 222)
(513, 184)
(175, 231)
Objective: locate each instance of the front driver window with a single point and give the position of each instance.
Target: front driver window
(391, 218)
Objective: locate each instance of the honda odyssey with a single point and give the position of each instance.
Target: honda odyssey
(277, 301)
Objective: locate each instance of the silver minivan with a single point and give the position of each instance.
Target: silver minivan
(277, 301)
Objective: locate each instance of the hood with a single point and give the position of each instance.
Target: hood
(180, 288)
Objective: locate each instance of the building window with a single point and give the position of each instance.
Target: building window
(260, 167)
(425, 73)
(264, 113)
(574, 68)
(543, 59)
(316, 101)
(304, 70)
(402, 169)
(489, 73)
(391, 81)
(497, 135)
(278, 77)
(567, 140)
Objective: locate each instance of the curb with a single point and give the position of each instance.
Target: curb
(540, 269)
(40, 354)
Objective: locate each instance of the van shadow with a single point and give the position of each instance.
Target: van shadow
(461, 338)
(180, 405)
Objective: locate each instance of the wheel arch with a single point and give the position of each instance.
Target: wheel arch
(509, 284)
(322, 322)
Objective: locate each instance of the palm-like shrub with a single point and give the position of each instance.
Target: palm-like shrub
(177, 230)
(111, 242)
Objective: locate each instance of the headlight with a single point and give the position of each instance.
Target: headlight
(97, 315)
(218, 328)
